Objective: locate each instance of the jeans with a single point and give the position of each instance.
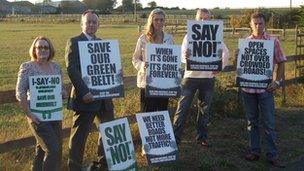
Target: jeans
(255, 104)
(205, 87)
(48, 147)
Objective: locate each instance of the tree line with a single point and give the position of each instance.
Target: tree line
(275, 19)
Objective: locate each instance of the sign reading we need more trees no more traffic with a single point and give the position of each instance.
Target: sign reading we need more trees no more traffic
(164, 71)
(255, 63)
(205, 41)
(101, 68)
(46, 97)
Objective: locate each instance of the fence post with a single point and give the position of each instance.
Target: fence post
(139, 28)
(283, 91)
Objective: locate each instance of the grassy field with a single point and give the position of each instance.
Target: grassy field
(227, 126)
(220, 156)
(17, 38)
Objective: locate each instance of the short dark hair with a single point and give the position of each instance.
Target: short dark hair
(258, 15)
(89, 11)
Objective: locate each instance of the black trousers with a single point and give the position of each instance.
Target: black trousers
(82, 122)
(151, 104)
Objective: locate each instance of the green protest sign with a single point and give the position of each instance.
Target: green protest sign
(45, 97)
(118, 144)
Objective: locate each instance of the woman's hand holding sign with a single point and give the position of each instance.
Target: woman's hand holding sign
(32, 118)
(65, 95)
(146, 65)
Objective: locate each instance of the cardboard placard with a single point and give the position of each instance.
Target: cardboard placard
(101, 68)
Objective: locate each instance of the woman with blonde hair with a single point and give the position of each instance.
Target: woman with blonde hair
(47, 133)
(153, 33)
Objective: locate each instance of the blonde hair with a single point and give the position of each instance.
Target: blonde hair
(149, 30)
(32, 52)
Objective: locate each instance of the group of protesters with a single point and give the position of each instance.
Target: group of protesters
(48, 134)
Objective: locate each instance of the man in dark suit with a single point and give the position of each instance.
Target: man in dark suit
(81, 99)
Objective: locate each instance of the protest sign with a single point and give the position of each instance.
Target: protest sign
(46, 97)
(118, 145)
(164, 71)
(101, 68)
(157, 137)
(254, 63)
(205, 42)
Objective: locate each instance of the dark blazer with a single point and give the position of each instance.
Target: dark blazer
(79, 88)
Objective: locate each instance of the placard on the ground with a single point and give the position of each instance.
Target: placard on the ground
(255, 63)
(157, 137)
(118, 145)
(101, 68)
(163, 73)
(205, 41)
(46, 97)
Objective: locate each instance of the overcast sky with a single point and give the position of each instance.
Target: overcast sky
(192, 4)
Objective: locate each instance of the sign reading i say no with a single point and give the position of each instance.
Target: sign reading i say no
(45, 97)
(205, 41)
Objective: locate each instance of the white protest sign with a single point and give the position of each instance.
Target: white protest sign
(118, 145)
(157, 137)
(163, 73)
(205, 40)
(255, 63)
(101, 68)
(45, 97)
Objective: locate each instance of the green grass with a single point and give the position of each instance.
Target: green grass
(16, 39)
(229, 143)
(227, 129)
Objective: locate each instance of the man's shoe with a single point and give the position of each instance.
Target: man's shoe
(275, 163)
(97, 166)
(203, 143)
(252, 157)
(94, 166)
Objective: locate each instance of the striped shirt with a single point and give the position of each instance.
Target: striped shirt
(277, 58)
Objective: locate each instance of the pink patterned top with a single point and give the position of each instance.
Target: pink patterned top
(31, 68)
